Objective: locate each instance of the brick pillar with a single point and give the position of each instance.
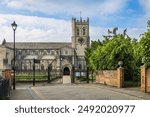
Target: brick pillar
(143, 79)
(7, 73)
(120, 77)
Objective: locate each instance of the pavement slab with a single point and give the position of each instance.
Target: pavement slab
(76, 92)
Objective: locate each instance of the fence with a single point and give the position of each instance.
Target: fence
(40, 75)
(132, 74)
(131, 77)
(84, 76)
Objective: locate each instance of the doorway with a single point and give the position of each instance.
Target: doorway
(66, 71)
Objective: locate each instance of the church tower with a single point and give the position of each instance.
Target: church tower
(80, 35)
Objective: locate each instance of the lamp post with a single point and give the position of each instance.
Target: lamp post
(14, 27)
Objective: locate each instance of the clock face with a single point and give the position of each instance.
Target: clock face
(81, 40)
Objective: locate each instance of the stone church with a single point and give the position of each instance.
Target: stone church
(60, 55)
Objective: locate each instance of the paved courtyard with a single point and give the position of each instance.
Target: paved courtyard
(75, 92)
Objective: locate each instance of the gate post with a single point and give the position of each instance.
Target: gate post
(49, 70)
(33, 74)
(73, 74)
(143, 79)
(87, 75)
(120, 75)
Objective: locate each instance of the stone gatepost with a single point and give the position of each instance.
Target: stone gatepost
(120, 77)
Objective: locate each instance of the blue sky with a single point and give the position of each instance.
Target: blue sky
(50, 20)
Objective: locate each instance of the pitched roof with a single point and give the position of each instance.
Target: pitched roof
(38, 45)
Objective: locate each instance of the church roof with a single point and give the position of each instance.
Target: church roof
(38, 45)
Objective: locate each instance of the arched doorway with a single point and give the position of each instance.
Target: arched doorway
(66, 71)
(66, 75)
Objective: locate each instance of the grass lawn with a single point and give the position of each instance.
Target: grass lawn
(29, 77)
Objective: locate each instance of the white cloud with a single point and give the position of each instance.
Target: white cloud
(15, 4)
(31, 28)
(145, 4)
(71, 7)
(97, 32)
(135, 32)
(38, 29)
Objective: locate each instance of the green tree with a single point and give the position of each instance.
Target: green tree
(137, 53)
(116, 49)
(145, 46)
(88, 54)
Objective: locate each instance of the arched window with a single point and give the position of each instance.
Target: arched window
(84, 31)
(80, 66)
(77, 32)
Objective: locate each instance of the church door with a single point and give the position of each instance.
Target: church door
(66, 71)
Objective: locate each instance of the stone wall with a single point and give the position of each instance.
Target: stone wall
(110, 77)
(5, 54)
(145, 79)
(2, 52)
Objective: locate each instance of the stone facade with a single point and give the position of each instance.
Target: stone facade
(80, 35)
(59, 55)
(6, 55)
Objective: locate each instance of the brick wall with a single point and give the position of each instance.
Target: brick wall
(145, 79)
(110, 77)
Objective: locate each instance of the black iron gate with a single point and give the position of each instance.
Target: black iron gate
(84, 76)
(35, 74)
(132, 77)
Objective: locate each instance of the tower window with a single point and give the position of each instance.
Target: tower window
(52, 52)
(77, 32)
(66, 52)
(84, 31)
(80, 66)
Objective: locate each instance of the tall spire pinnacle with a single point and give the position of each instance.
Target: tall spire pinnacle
(80, 15)
(4, 41)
